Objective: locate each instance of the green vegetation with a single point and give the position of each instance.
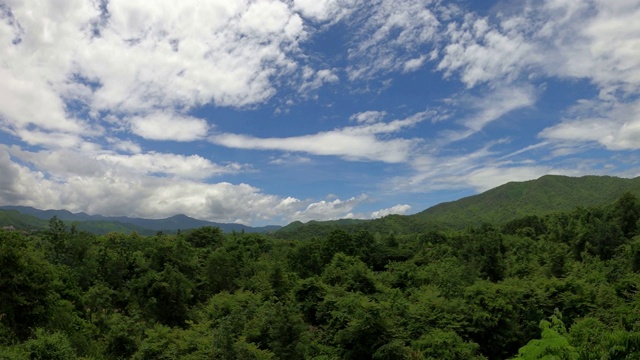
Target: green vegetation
(31, 223)
(559, 286)
(100, 225)
(546, 195)
(20, 221)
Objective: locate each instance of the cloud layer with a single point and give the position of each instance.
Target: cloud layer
(152, 109)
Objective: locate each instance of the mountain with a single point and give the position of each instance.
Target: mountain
(102, 224)
(548, 194)
(20, 221)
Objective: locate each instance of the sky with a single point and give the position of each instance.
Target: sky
(271, 111)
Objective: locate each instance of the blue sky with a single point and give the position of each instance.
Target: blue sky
(270, 111)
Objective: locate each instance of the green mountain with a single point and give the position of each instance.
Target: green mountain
(548, 194)
(17, 220)
(99, 224)
(21, 221)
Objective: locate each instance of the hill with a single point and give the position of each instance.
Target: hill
(20, 221)
(99, 224)
(548, 194)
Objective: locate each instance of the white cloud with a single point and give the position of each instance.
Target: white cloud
(389, 36)
(75, 182)
(325, 10)
(594, 40)
(368, 117)
(115, 185)
(81, 63)
(397, 209)
(313, 80)
(489, 108)
(329, 209)
(343, 143)
(289, 159)
(484, 53)
(614, 125)
(190, 167)
(63, 163)
(598, 40)
(77, 76)
(414, 64)
(352, 143)
(499, 103)
(167, 126)
(183, 54)
(266, 18)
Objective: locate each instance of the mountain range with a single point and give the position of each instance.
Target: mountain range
(513, 200)
(37, 219)
(548, 194)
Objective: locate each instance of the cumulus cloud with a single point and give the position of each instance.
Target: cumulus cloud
(85, 84)
(413, 64)
(168, 126)
(399, 209)
(170, 55)
(75, 182)
(63, 163)
(325, 10)
(190, 167)
(481, 52)
(329, 209)
(116, 185)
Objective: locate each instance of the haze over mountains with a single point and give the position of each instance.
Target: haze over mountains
(548, 194)
(123, 223)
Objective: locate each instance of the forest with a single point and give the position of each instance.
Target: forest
(555, 286)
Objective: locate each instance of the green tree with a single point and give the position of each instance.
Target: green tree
(626, 213)
(278, 327)
(445, 344)
(122, 337)
(349, 273)
(554, 343)
(165, 295)
(205, 237)
(50, 346)
(355, 324)
(27, 283)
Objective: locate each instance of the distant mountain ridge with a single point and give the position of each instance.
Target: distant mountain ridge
(513, 200)
(123, 223)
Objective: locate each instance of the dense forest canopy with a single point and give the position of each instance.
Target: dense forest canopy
(562, 286)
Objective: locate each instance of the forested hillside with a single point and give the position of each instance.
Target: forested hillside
(543, 196)
(564, 286)
(548, 194)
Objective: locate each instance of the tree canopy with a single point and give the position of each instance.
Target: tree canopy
(557, 286)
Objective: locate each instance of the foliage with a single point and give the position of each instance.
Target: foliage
(492, 291)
